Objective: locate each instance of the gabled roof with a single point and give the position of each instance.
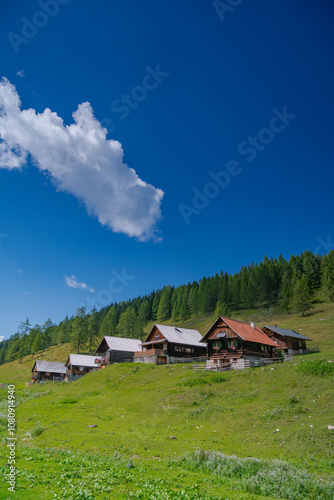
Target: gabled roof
(49, 366)
(82, 360)
(179, 335)
(286, 333)
(121, 344)
(245, 331)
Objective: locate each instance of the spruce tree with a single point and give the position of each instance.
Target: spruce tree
(127, 323)
(93, 327)
(164, 311)
(79, 332)
(109, 323)
(301, 297)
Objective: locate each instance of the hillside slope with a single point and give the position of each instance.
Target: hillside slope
(152, 415)
(317, 325)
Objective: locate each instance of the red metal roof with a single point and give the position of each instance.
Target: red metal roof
(247, 332)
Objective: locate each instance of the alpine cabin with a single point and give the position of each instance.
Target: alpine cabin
(170, 344)
(48, 370)
(289, 341)
(117, 349)
(229, 340)
(80, 364)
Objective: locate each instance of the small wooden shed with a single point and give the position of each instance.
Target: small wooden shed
(48, 370)
(80, 364)
(290, 342)
(117, 349)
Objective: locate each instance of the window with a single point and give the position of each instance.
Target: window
(81, 368)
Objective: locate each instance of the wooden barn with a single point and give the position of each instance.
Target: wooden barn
(170, 344)
(117, 349)
(229, 340)
(289, 341)
(80, 364)
(48, 370)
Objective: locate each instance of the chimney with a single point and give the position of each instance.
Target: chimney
(276, 325)
(252, 324)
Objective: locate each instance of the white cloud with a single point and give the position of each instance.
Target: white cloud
(81, 161)
(20, 73)
(1, 338)
(72, 282)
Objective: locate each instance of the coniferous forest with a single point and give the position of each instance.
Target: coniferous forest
(288, 285)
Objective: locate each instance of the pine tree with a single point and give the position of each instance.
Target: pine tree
(15, 348)
(127, 323)
(164, 310)
(286, 288)
(311, 269)
(24, 330)
(79, 332)
(222, 310)
(184, 310)
(93, 327)
(193, 299)
(37, 344)
(301, 298)
(155, 305)
(109, 323)
(328, 275)
(144, 312)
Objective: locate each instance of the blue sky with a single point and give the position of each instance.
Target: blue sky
(190, 91)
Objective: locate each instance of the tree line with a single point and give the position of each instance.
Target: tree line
(289, 285)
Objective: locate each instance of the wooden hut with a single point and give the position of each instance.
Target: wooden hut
(117, 349)
(48, 370)
(170, 344)
(289, 341)
(229, 340)
(80, 364)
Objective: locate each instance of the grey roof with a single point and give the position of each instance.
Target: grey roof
(179, 335)
(286, 333)
(50, 366)
(122, 344)
(82, 360)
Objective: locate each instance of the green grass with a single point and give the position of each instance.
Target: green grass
(318, 367)
(20, 373)
(154, 415)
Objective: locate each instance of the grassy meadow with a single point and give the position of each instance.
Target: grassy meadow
(164, 432)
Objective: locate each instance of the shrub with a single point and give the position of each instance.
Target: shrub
(68, 401)
(272, 478)
(37, 431)
(319, 368)
(196, 381)
(216, 378)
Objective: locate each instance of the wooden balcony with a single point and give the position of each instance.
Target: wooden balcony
(149, 352)
(225, 353)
